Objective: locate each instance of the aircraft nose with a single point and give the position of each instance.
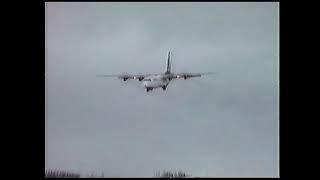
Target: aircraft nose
(145, 83)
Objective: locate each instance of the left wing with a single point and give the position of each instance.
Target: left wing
(191, 75)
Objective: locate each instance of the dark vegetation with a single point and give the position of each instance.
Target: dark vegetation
(60, 174)
(66, 174)
(172, 174)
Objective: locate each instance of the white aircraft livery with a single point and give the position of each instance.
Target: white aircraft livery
(160, 80)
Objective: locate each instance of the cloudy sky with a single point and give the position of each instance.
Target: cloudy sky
(223, 125)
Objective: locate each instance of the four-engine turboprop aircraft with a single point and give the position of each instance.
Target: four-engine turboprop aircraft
(160, 80)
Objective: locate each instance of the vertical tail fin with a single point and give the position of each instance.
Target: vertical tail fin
(168, 63)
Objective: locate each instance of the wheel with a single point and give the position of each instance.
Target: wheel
(164, 88)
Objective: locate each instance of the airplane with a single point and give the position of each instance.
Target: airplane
(159, 80)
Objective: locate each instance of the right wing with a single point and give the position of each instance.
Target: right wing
(126, 76)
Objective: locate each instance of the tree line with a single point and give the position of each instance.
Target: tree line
(162, 174)
(60, 174)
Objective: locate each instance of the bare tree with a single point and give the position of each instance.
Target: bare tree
(60, 174)
(172, 174)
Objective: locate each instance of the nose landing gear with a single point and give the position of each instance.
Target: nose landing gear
(148, 89)
(164, 87)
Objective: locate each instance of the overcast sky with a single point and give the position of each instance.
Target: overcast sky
(223, 125)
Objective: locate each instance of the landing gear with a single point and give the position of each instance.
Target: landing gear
(164, 87)
(148, 89)
(124, 79)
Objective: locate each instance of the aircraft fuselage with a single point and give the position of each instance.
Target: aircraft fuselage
(152, 82)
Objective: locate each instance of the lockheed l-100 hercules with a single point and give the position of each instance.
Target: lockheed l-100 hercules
(160, 80)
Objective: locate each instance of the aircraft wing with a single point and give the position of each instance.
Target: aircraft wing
(126, 76)
(191, 75)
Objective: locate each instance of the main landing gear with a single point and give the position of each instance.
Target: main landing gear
(150, 89)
